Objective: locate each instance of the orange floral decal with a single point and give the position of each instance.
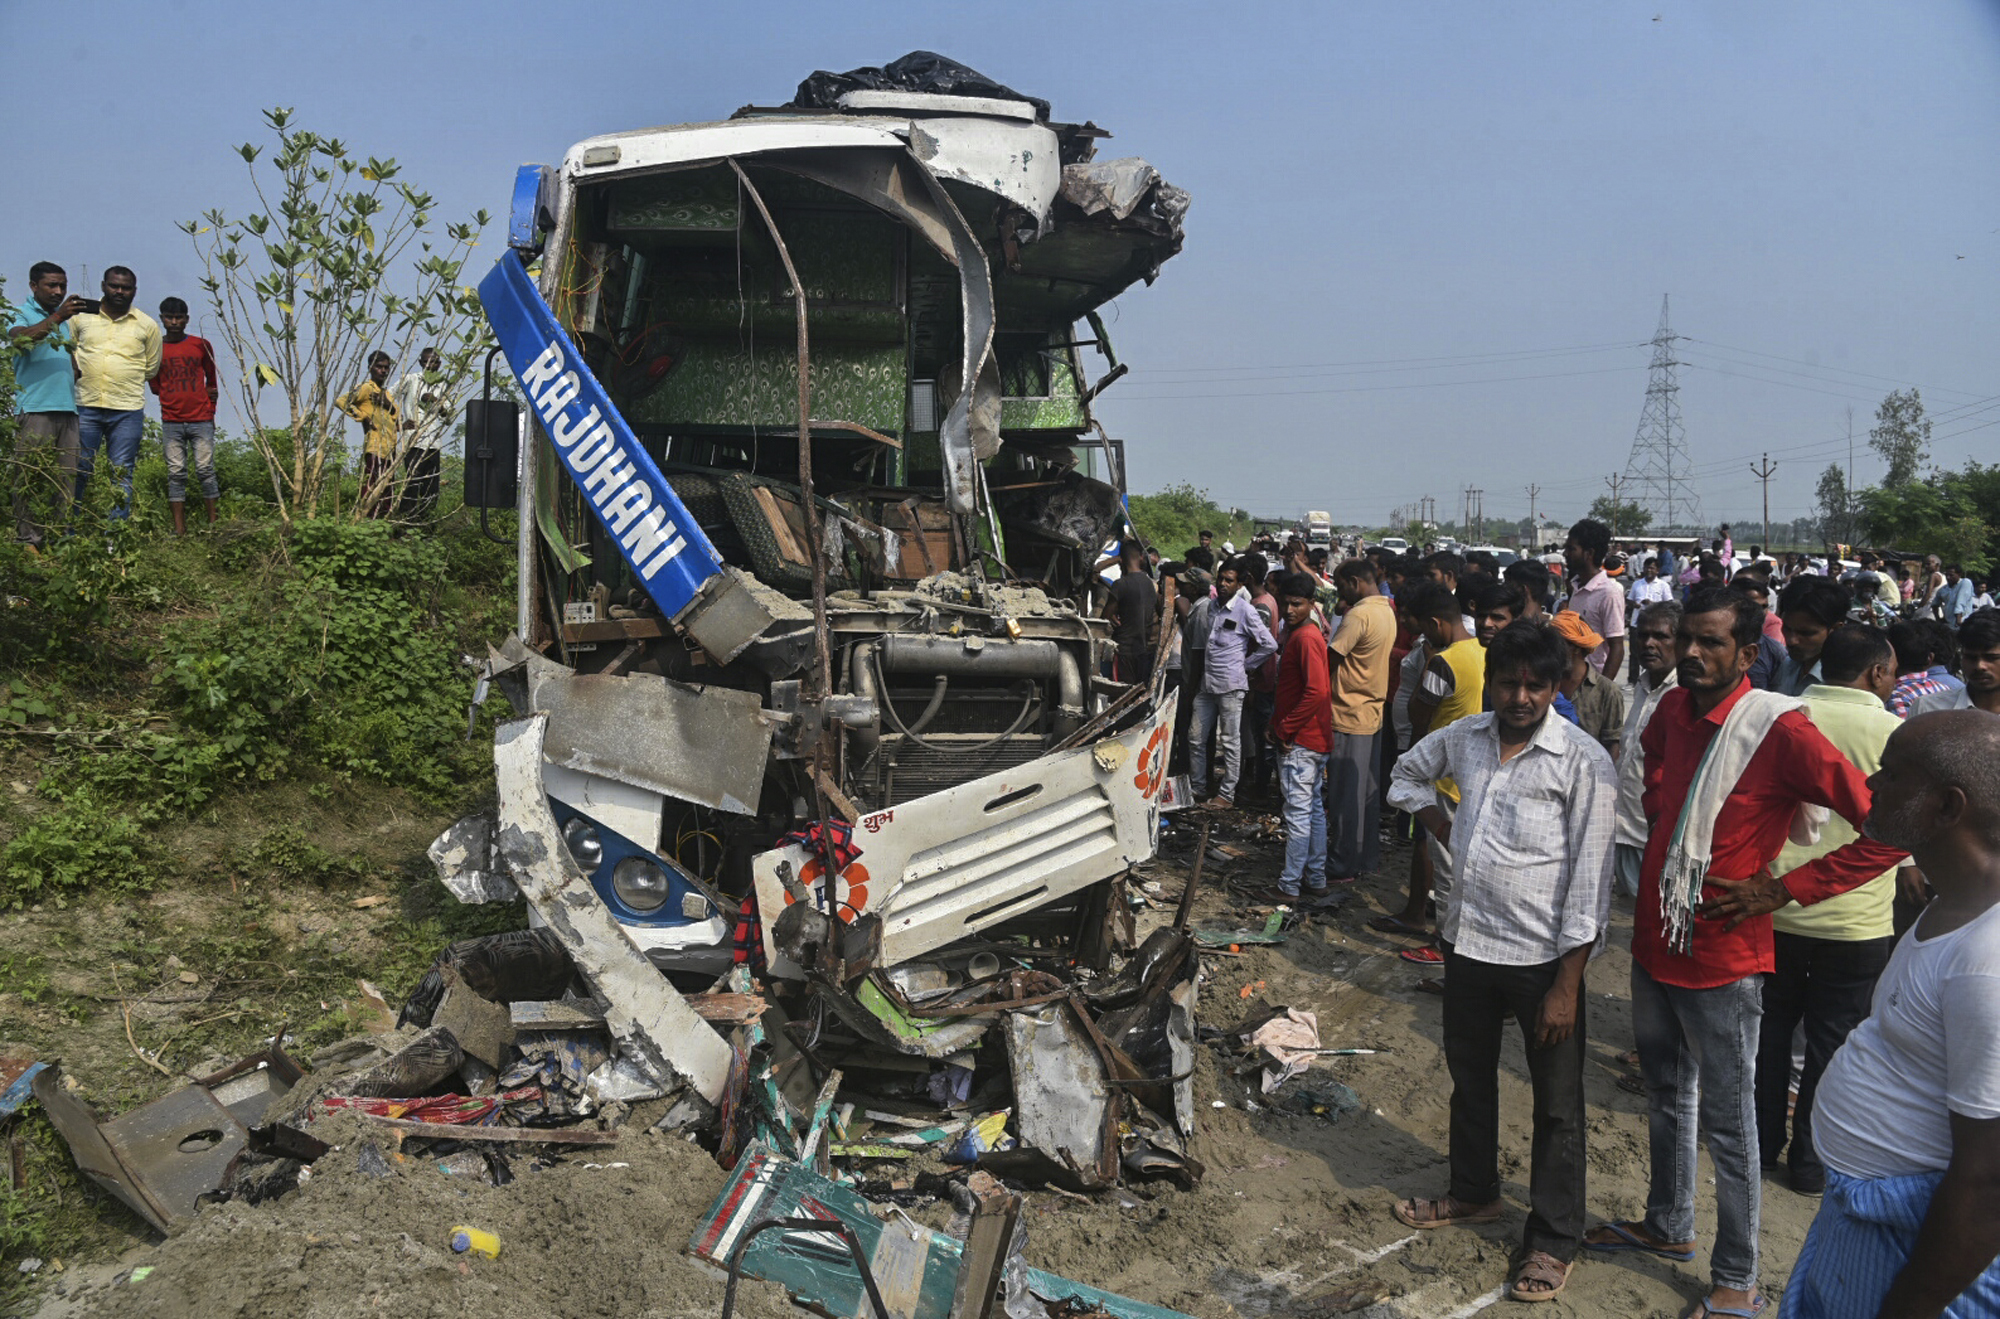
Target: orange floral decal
(850, 888)
(1152, 764)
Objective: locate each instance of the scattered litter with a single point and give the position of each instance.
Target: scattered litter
(1331, 1101)
(1274, 930)
(32, 1264)
(1288, 1041)
(17, 1083)
(473, 1240)
(372, 900)
(1254, 987)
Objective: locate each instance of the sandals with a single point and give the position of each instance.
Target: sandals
(1427, 1214)
(1422, 956)
(1542, 1267)
(1624, 1236)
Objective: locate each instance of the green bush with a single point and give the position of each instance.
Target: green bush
(82, 844)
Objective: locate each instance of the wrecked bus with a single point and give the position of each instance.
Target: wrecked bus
(810, 502)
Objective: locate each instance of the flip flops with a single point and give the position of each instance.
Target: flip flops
(1703, 1310)
(1422, 956)
(1624, 1238)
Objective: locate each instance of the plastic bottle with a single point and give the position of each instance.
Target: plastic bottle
(472, 1239)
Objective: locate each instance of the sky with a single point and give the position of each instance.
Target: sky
(1428, 243)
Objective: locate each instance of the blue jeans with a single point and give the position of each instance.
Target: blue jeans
(178, 438)
(1222, 714)
(1698, 1056)
(95, 426)
(1302, 781)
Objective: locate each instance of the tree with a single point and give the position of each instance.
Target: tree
(1902, 435)
(340, 260)
(1836, 507)
(1626, 519)
(1929, 517)
(1170, 520)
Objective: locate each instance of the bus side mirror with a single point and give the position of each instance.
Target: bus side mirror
(492, 452)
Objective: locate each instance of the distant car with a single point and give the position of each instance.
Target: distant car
(1395, 544)
(1500, 555)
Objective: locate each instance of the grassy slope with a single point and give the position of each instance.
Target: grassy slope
(219, 922)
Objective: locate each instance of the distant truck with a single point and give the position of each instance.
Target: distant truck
(1319, 531)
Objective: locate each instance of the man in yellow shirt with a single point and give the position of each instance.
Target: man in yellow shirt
(369, 403)
(1829, 954)
(1453, 687)
(117, 352)
(1361, 647)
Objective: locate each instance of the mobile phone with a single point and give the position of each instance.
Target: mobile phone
(92, 305)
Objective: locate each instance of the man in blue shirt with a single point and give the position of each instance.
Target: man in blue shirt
(45, 389)
(1955, 600)
(1238, 642)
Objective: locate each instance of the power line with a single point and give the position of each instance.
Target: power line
(1817, 366)
(1394, 361)
(1371, 389)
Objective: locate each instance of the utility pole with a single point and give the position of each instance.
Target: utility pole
(1763, 474)
(1534, 523)
(1614, 481)
(1479, 516)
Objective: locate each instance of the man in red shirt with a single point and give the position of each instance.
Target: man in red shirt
(1697, 984)
(1302, 732)
(187, 386)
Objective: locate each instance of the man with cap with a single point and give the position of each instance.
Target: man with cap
(1598, 701)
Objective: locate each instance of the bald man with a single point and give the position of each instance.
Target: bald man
(1908, 1114)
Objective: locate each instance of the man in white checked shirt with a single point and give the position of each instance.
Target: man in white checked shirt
(1533, 843)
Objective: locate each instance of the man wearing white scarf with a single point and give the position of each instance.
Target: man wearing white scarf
(1730, 772)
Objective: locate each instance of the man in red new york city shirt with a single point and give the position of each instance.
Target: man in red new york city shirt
(187, 386)
(1696, 1008)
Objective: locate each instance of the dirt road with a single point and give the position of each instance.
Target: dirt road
(1292, 1217)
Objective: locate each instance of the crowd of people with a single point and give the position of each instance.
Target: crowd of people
(1798, 786)
(82, 370)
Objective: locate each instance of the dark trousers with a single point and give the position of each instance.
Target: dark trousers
(1353, 809)
(1191, 671)
(422, 470)
(1826, 984)
(1476, 994)
(1260, 756)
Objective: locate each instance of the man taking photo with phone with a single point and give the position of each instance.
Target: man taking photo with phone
(39, 336)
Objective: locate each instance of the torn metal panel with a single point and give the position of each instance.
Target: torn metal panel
(916, 1269)
(962, 860)
(160, 1159)
(1065, 1101)
(1005, 157)
(652, 1023)
(251, 1087)
(706, 745)
(468, 862)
